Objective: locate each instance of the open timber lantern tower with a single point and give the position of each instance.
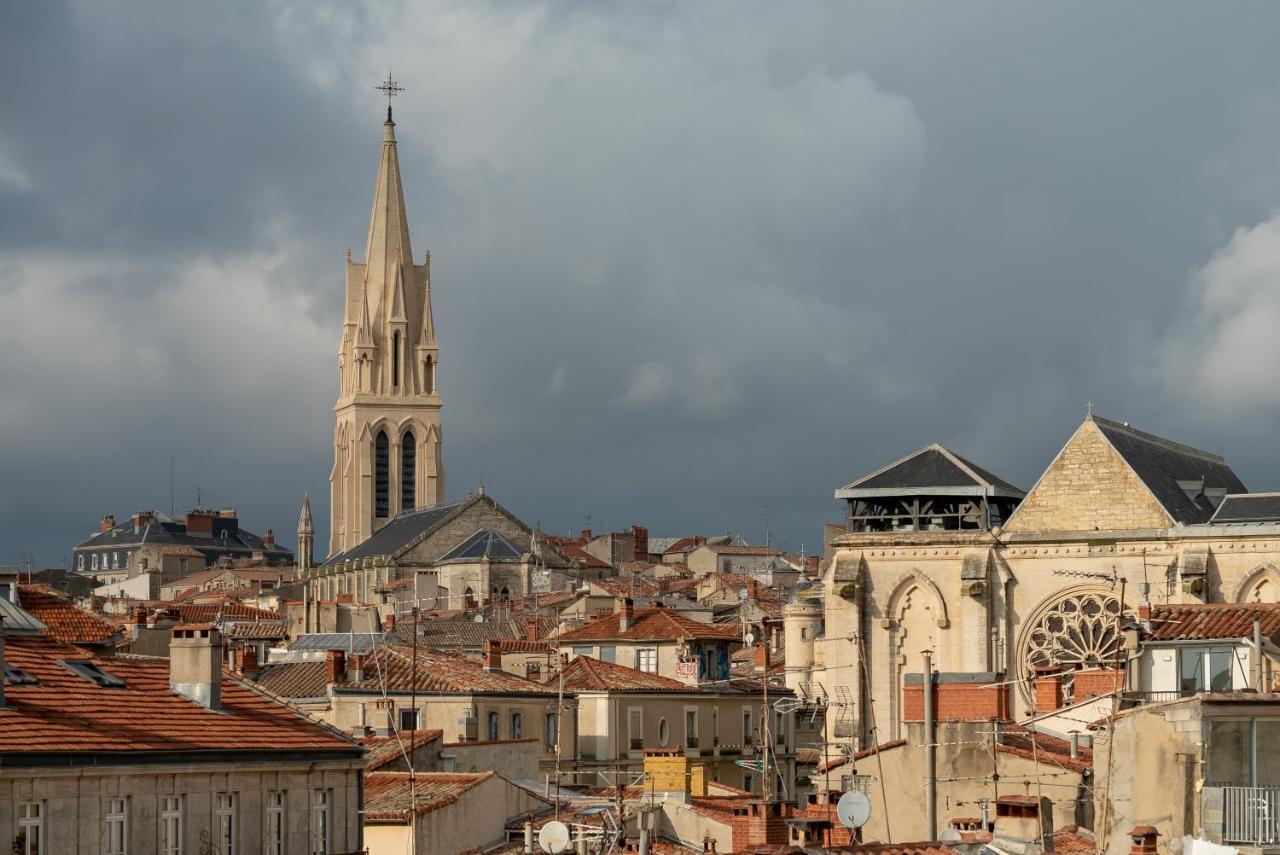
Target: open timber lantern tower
(387, 439)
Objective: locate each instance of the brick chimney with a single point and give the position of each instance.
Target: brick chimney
(1144, 840)
(246, 660)
(108, 523)
(1018, 822)
(389, 623)
(531, 630)
(139, 617)
(753, 589)
(761, 660)
(626, 613)
(758, 823)
(269, 539)
(335, 667)
(1048, 689)
(195, 663)
(355, 667)
(585, 534)
(492, 657)
(141, 520)
(1144, 614)
(641, 536)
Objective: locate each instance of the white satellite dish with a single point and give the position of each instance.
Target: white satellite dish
(554, 837)
(950, 835)
(749, 639)
(853, 809)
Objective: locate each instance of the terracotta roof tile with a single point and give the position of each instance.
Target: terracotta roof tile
(387, 795)
(1213, 621)
(651, 625)
(64, 712)
(1016, 740)
(381, 750)
(585, 673)
(392, 667)
(208, 612)
(64, 619)
(295, 680)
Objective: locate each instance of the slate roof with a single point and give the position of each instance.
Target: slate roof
(387, 796)
(63, 619)
(1207, 621)
(1161, 464)
(401, 531)
(295, 680)
(66, 713)
(931, 470)
(457, 633)
(650, 625)
(436, 672)
(485, 543)
(588, 674)
(381, 750)
(165, 531)
(1249, 507)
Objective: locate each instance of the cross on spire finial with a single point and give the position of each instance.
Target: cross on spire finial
(391, 89)
(1088, 409)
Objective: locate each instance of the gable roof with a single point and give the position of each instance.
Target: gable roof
(387, 795)
(295, 680)
(1161, 464)
(1248, 507)
(1205, 621)
(379, 751)
(392, 668)
(63, 619)
(402, 531)
(650, 625)
(588, 674)
(64, 713)
(933, 470)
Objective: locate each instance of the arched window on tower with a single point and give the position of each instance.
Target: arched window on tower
(381, 471)
(408, 471)
(429, 376)
(395, 358)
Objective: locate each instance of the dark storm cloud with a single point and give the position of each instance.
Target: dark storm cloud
(689, 260)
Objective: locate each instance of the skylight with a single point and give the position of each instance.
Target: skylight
(90, 671)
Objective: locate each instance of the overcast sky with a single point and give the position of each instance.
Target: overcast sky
(690, 260)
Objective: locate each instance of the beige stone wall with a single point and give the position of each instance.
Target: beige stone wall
(75, 801)
(1088, 487)
(483, 514)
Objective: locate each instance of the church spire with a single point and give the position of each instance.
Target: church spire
(306, 537)
(387, 249)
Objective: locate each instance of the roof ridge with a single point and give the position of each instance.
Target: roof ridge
(1153, 439)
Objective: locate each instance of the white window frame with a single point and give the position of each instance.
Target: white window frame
(321, 821)
(224, 822)
(30, 816)
(277, 830)
(116, 817)
(649, 653)
(170, 818)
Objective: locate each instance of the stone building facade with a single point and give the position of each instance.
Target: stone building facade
(387, 439)
(940, 555)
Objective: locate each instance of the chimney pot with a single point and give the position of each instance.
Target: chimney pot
(1144, 840)
(492, 657)
(1048, 689)
(269, 539)
(531, 630)
(336, 667)
(390, 623)
(626, 612)
(762, 657)
(108, 523)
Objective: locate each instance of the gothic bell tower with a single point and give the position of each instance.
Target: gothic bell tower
(387, 440)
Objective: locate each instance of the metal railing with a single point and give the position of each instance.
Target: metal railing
(1251, 815)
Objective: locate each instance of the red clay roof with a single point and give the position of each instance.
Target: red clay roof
(65, 621)
(295, 680)
(391, 667)
(208, 612)
(387, 796)
(524, 645)
(574, 551)
(1016, 740)
(651, 625)
(381, 750)
(65, 712)
(587, 674)
(901, 849)
(1213, 621)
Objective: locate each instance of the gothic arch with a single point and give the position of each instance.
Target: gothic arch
(1262, 585)
(903, 585)
(1073, 629)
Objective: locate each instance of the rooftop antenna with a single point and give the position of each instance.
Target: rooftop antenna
(391, 89)
(767, 533)
(198, 497)
(172, 508)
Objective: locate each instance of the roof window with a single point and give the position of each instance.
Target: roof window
(17, 677)
(90, 671)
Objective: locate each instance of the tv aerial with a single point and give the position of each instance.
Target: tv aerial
(853, 809)
(553, 837)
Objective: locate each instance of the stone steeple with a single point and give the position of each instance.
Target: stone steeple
(387, 439)
(306, 537)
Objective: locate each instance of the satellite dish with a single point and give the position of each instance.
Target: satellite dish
(853, 809)
(749, 639)
(742, 593)
(479, 618)
(950, 835)
(554, 837)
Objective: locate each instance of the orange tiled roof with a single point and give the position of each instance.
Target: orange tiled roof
(64, 712)
(573, 551)
(901, 849)
(391, 667)
(628, 587)
(1213, 621)
(1016, 740)
(65, 620)
(207, 612)
(381, 750)
(585, 673)
(295, 680)
(387, 796)
(651, 625)
(524, 645)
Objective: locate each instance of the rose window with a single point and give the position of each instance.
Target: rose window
(1077, 631)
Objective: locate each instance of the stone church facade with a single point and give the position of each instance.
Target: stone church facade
(387, 437)
(940, 555)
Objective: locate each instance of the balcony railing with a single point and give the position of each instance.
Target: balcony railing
(1251, 815)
